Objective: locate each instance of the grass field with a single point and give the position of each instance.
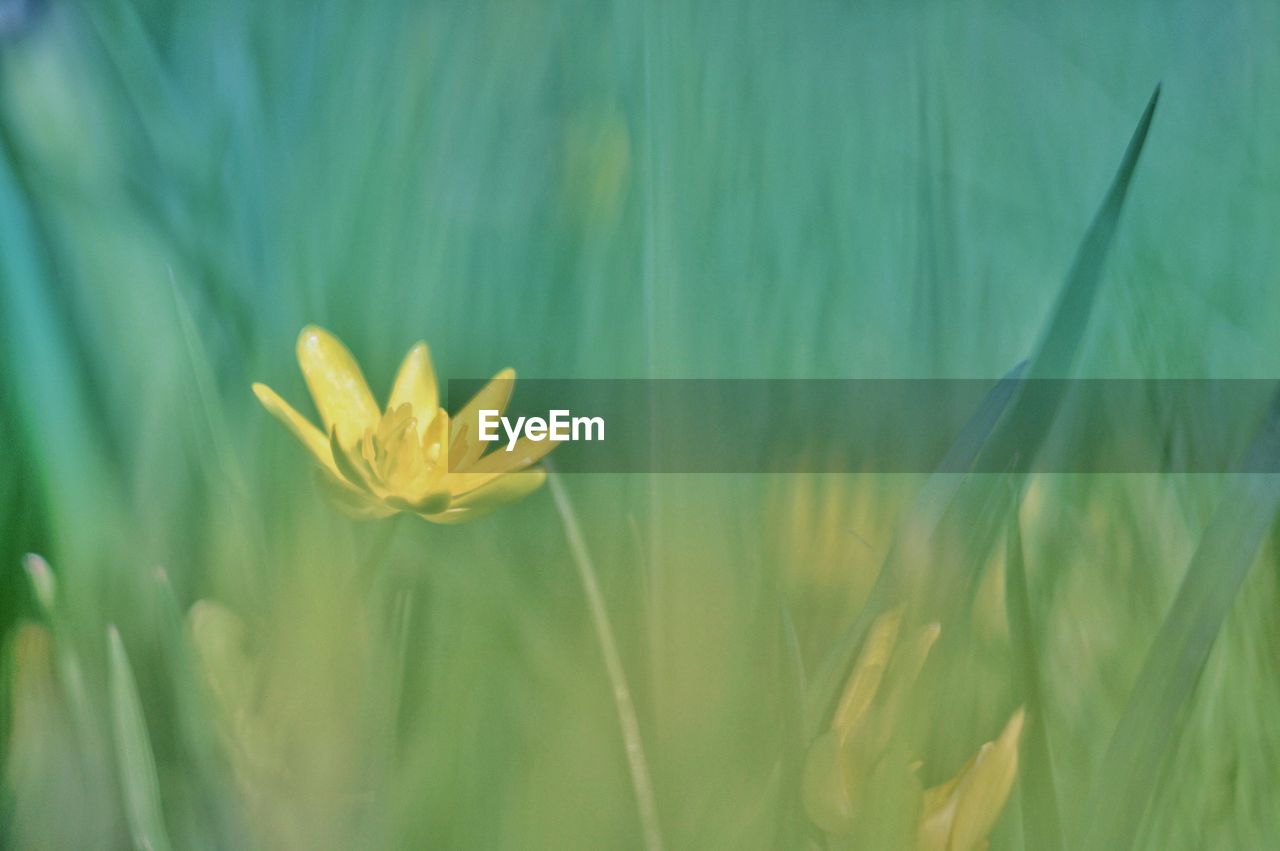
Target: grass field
(749, 189)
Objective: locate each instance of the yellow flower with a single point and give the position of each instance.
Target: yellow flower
(859, 783)
(856, 757)
(381, 462)
(960, 813)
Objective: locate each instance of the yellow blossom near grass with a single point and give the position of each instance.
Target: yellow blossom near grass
(958, 815)
(378, 462)
(858, 778)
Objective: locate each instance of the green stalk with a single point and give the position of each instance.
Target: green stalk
(1042, 824)
(627, 720)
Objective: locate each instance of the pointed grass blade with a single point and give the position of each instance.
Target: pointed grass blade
(1031, 415)
(206, 397)
(1007, 425)
(136, 764)
(1041, 823)
(1057, 350)
(925, 515)
(792, 822)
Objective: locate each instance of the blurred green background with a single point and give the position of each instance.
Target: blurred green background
(623, 189)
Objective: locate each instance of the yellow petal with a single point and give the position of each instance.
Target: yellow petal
(526, 453)
(508, 488)
(938, 811)
(308, 435)
(462, 483)
(218, 636)
(454, 516)
(864, 682)
(464, 446)
(352, 467)
(350, 500)
(985, 789)
(433, 439)
(915, 654)
(337, 386)
(416, 384)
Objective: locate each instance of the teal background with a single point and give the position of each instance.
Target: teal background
(622, 189)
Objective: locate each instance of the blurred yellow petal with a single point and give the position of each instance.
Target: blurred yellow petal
(864, 682)
(908, 661)
(464, 446)
(462, 483)
(308, 435)
(454, 516)
(337, 385)
(465, 483)
(415, 385)
(505, 489)
(938, 811)
(986, 789)
(526, 453)
(350, 500)
(914, 655)
(32, 669)
(958, 814)
(218, 636)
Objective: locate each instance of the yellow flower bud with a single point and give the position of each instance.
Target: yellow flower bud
(960, 813)
(855, 758)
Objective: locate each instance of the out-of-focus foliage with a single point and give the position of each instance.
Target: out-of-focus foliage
(720, 189)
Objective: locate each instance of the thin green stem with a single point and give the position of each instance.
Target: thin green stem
(627, 720)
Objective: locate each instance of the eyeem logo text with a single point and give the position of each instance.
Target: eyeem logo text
(558, 426)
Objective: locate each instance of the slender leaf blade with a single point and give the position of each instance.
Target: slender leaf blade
(136, 763)
(1041, 822)
(964, 501)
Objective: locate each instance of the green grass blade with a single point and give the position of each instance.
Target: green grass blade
(938, 493)
(972, 505)
(628, 722)
(70, 672)
(1041, 823)
(1032, 414)
(206, 393)
(1058, 347)
(793, 680)
(792, 822)
(136, 764)
(1148, 728)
